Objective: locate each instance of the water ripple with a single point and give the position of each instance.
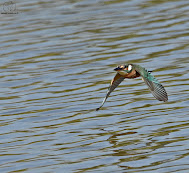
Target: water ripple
(57, 60)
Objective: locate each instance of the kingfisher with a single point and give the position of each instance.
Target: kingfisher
(133, 71)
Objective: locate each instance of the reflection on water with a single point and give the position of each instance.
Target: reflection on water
(57, 60)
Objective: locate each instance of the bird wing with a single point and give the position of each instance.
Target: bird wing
(114, 83)
(153, 84)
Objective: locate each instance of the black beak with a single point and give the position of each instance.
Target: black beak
(117, 68)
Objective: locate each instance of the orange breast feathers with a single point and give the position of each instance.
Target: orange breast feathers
(132, 74)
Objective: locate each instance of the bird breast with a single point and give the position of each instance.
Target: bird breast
(132, 74)
(122, 73)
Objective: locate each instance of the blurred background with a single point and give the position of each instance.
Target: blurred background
(56, 62)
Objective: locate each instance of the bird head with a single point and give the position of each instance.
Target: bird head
(124, 69)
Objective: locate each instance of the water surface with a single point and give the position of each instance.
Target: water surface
(57, 60)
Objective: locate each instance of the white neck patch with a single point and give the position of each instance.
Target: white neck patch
(129, 67)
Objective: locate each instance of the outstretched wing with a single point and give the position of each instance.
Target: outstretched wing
(114, 83)
(153, 84)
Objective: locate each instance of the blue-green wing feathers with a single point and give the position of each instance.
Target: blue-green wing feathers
(153, 84)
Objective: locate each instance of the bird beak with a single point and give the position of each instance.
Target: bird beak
(117, 69)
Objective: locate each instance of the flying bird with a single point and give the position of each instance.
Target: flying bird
(133, 71)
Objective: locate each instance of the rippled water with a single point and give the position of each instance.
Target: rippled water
(57, 60)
